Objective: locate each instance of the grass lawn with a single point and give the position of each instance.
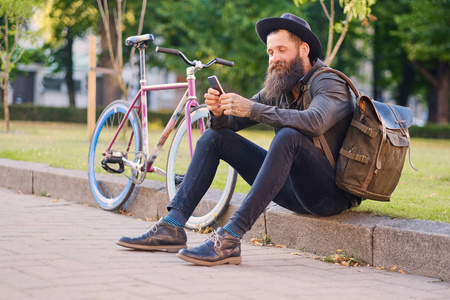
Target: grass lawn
(419, 195)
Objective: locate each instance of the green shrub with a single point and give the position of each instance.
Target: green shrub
(431, 131)
(29, 112)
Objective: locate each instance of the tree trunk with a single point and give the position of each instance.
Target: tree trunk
(407, 83)
(432, 104)
(110, 83)
(69, 71)
(438, 91)
(5, 99)
(443, 93)
(376, 73)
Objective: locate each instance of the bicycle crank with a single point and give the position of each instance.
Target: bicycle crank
(138, 167)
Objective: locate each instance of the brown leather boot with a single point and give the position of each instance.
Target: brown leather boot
(161, 236)
(220, 248)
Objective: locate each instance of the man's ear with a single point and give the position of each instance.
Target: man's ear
(304, 49)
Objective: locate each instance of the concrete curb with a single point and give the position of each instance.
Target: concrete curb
(415, 246)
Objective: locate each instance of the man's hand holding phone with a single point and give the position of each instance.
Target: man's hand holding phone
(229, 104)
(212, 96)
(215, 84)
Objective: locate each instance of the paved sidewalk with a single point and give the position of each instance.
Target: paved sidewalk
(54, 249)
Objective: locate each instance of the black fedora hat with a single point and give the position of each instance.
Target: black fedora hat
(294, 24)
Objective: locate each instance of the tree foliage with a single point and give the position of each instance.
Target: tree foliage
(66, 20)
(80, 16)
(425, 29)
(205, 29)
(391, 68)
(408, 33)
(352, 9)
(113, 21)
(14, 16)
(423, 32)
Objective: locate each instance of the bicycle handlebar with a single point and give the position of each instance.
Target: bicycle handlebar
(191, 63)
(168, 50)
(224, 62)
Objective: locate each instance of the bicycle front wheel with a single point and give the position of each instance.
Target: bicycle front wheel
(217, 198)
(112, 188)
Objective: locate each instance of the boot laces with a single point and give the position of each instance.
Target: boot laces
(216, 238)
(153, 229)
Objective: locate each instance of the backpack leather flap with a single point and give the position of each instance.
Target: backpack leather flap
(393, 116)
(397, 139)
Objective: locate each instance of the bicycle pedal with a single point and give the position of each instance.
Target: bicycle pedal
(106, 165)
(179, 179)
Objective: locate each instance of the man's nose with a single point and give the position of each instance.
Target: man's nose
(275, 58)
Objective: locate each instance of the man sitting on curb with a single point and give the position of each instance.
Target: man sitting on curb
(293, 172)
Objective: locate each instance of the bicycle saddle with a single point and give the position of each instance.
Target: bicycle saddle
(139, 41)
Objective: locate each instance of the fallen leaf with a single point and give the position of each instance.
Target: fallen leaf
(205, 230)
(280, 246)
(295, 253)
(393, 268)
(401, 271)
(139, 219)
(337, 258)
(256, 241)
(54, 200)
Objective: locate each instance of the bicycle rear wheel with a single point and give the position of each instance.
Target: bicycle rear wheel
(111, 190)
(217, 198)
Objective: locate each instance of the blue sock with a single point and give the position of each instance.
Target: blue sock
(234, 230)
(174, 217)
(169, 220)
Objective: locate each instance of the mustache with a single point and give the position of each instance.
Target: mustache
(273, 66)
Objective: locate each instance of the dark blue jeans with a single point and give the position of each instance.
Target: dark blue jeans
(292, 173)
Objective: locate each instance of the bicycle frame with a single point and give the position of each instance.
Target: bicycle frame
(189, 100)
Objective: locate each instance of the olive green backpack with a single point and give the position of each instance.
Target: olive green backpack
(373, 153)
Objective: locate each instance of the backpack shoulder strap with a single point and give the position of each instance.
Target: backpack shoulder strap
(306, 88)
(337, 72)
(320, 142)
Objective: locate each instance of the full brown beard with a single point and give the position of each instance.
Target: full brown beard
(282, 81)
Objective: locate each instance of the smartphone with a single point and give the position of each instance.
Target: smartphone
(215, 84)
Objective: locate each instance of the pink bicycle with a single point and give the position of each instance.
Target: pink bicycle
(119, 156)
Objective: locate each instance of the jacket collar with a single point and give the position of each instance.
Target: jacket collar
(318, 64)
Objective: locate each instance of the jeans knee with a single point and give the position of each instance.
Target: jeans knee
(289, 135)
(287, 132)
(212, 136)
